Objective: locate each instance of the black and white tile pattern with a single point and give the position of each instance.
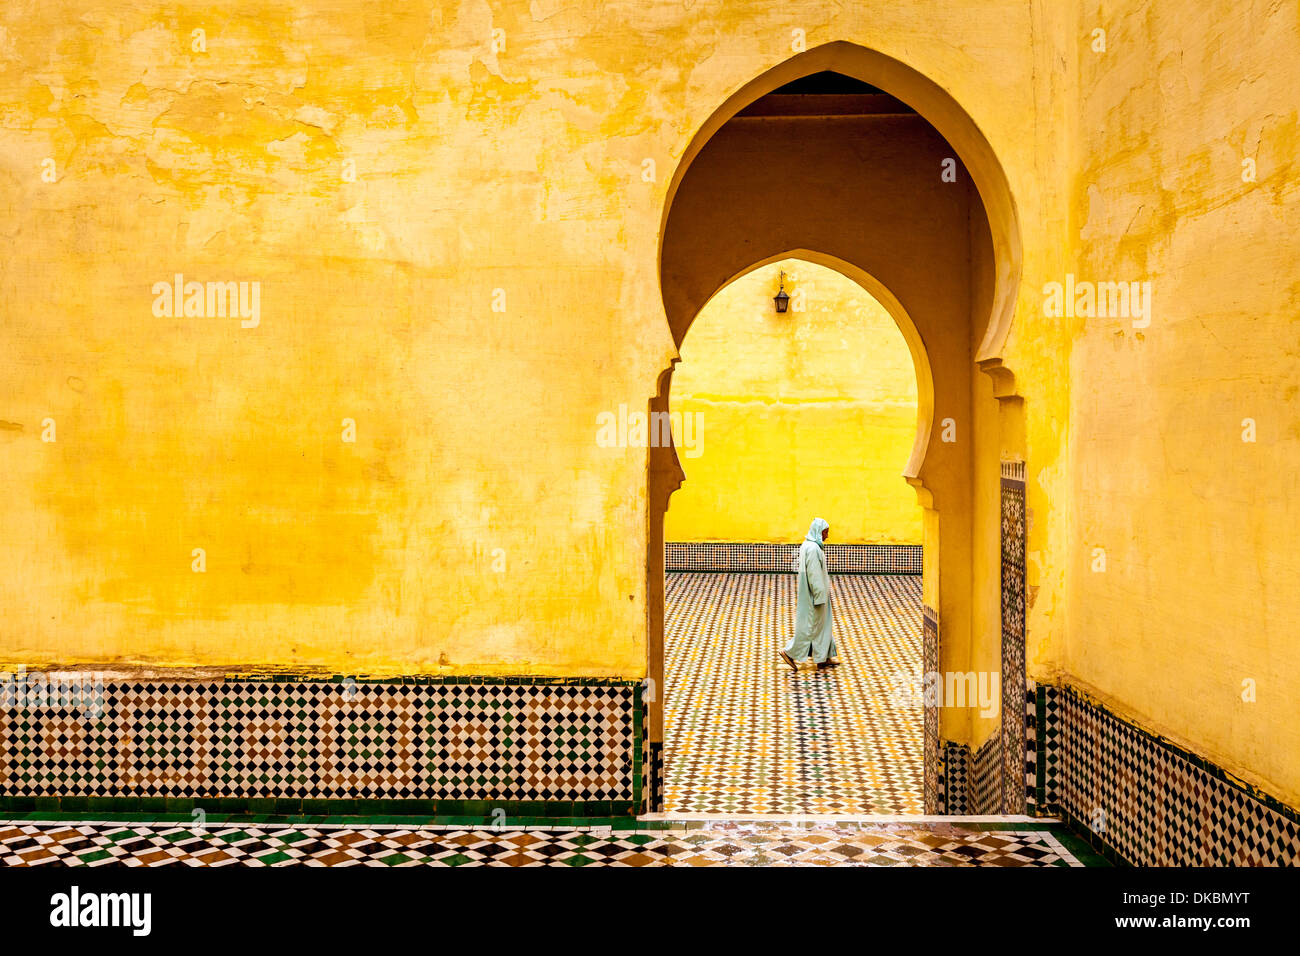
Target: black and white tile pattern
(524, 741)
(1148, 801)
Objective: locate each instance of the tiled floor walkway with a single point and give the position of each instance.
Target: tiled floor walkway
(745, 734)
(708, 844)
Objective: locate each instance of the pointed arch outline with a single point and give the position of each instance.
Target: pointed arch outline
(915, 346)
(934, 104)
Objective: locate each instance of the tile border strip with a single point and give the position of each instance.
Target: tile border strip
(741, 557)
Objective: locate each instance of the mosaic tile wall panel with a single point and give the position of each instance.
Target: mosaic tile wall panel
(745, 734)
(655, 769)
(257, 739)
(986, 777)
(934, 799)
(1047, 721)
(970, 782)
(744, 557)
(954, 779)
(1149, 801)
(1013, 636)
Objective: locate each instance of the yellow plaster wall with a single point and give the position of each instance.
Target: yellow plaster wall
(1199, 530)
(453, 210)
(811, 412)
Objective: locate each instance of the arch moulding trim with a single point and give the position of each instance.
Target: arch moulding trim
(946, 115)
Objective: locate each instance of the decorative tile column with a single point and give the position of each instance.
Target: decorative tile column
(934, 796)
(1013, 637)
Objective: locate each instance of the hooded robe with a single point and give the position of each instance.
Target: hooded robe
(812, 616)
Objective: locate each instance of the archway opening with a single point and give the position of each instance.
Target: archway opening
(852, 154)
(780, 416)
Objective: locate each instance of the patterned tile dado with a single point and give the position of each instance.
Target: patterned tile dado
(1032, 762)
(986, 777)
(1146, 800)
(523, 741)
(746, 557)
(1047, 747)
(954, 780)
(654, 776)
(971, 782)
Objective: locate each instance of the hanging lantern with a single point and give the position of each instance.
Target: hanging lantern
(781, 299)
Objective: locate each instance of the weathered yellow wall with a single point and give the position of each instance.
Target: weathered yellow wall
(811, 412)
(476, 525)
(1199, 530)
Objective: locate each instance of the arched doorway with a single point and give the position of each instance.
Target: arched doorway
(780, 416)
(846, 154)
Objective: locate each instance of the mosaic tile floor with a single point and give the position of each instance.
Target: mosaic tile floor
(710, 844)
(745, 734)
